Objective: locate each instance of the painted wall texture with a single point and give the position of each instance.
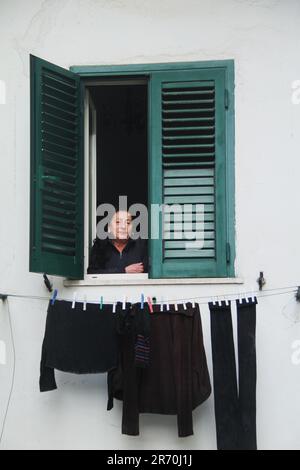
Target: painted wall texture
(263, 37)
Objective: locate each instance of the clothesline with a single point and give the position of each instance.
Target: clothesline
(209, 298)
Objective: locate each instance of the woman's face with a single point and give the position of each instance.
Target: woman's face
(121, 225)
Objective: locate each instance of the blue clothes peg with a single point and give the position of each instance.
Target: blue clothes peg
(54, 296)
(142, 301)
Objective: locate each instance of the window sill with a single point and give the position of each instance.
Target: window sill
(143, 280)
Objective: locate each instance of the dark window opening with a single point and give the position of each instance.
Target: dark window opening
(122, 147)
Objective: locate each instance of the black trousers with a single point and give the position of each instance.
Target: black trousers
(235, 408)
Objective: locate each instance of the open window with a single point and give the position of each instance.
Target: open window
(161, 134)
(116, 149)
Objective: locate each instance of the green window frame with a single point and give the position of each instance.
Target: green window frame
(172, 168)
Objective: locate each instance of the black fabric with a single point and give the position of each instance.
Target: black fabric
(77, 341)
(105, 258)
(235, 409)
(176, 380)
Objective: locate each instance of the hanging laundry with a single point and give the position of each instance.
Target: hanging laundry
(235, 408)
(77, 341)
(176, 379)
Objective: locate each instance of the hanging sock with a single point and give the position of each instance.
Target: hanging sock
(142, 334)
(246, 324)
(235, 408)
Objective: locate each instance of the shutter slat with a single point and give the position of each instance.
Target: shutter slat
(61, 112)
(58, 230)
(190, 137)
(57, 220)
(188, 181)
(58, 202)
(176, 228)
(68, 96)
(189, 92)
(59, 121)
(60, 156)
(58, 137)
(68, 86)
(173, 102)
(188, 110)
(188, 128)
(187, 190)
(201, 253)
(187, 146)
(47, 98)
(187, 244)
(189, 173)
(58, 249)
(53, 142)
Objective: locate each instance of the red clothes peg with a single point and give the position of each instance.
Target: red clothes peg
(150, 304)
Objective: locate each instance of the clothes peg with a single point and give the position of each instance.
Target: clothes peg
(176, 306)
(142, 301)
(227, 302)
(84, 303)
(74, 300)
(101, 302)
(184, 306)
(124, 302)
(193, 304)
(114, 307)
(150, 304)
(298, 295)
(168, 306)
(47, 282)
(162, 305)
(55, 293)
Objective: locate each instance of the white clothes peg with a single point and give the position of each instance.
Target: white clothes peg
(114, 307)
(74, 300)
(162, 305)
(84, 303)
(240, 297)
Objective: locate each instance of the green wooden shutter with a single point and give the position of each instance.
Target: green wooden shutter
(56, 218)
(187, 166)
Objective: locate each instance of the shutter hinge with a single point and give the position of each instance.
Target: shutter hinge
(228, 252)
(226, 98)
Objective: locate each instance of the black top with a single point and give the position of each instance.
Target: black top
(105, 258)
(77, 341)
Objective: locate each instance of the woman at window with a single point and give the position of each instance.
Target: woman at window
(119, 253)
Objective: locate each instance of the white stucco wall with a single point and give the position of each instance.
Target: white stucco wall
(263, 37)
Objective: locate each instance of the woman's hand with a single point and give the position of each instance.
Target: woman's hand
(135, 268)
